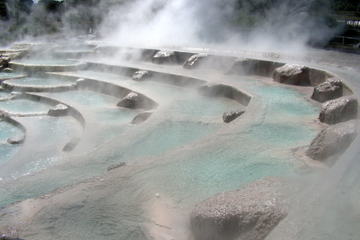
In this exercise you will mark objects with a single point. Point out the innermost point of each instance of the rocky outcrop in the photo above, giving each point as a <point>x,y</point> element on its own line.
<point>141,117</point>
<point>165,57</point>
<point>195,61</point>
<point>232,115</point>
<point>328,90</point>
<point>59,110</point>
<point>249,213</point>
<point>141,75</point>
<point>339,110</point>
<point>332,141</point>
<point>292,74</point>
<point>137,101</point>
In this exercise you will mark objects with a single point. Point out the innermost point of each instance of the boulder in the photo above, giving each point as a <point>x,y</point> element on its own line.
<point>232,115</point>
<point>332,141</point>
<point>141,117</point>
<point>249,213</point>
<point>137,101</point>
<point>141,75</point>
<point>195,61</point>
<point>328,90</point>
<point>292,74</point>
<point>59,110</point>
<point>165,57</point>
<point>339,110</point>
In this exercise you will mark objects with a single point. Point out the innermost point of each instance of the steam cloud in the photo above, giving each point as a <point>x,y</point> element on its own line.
<point>256,24</point>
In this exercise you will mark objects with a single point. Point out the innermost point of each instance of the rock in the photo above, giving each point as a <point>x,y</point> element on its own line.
<point>165,56</point>
<point>333,141</point>
<point>16,140</point>
<point>141,117</point>
<point>8,70</point>
<point>195,61</point>
<point>114,166</point>
<point>4,62</point>
<point>130,101</point>
<point>137,101</point>
<point>232,115</point>
<point>292,74</point>
<point>249,213</point>
<point>141,75</point>
<point>339,110</point>
<point>71,145</point>
<point>59,110</point>
<point>328,90</point>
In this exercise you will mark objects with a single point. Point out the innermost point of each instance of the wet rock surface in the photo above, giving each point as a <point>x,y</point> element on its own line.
<point>231,115</point>
<point>72,144</point>
<point>332,141</point>
<point>339,110</point>
<point>195,61</point>
<point>249,213</point>
<point>16,140</point>
<point>292,74</point>
<point>328,90</point>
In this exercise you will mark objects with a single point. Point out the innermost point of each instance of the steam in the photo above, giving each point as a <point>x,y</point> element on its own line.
<point>256,24</point>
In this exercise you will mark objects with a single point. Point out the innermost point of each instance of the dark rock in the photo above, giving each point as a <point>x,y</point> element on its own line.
<point>71,145</point>
<point>333,140</point>
<point>4,62</point>
<point>141,75</point>
<point>249,213</point>
<point>16,140</point>
<point>328,90</point>
<point>59,110</point>
<point>292,74</point>
<point>195,61</point>
<point>231,116</point>
<point>114,166</point>
<point>165,57</point>
<point>141,117</point>
<point>8,70</point>
<point>130,101</point>
<point>339,110</point>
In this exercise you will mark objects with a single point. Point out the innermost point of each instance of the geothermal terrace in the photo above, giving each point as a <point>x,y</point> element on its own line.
<point>104,142</point>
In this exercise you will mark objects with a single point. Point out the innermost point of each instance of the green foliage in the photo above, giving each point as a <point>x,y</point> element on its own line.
<point>344,5</point>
